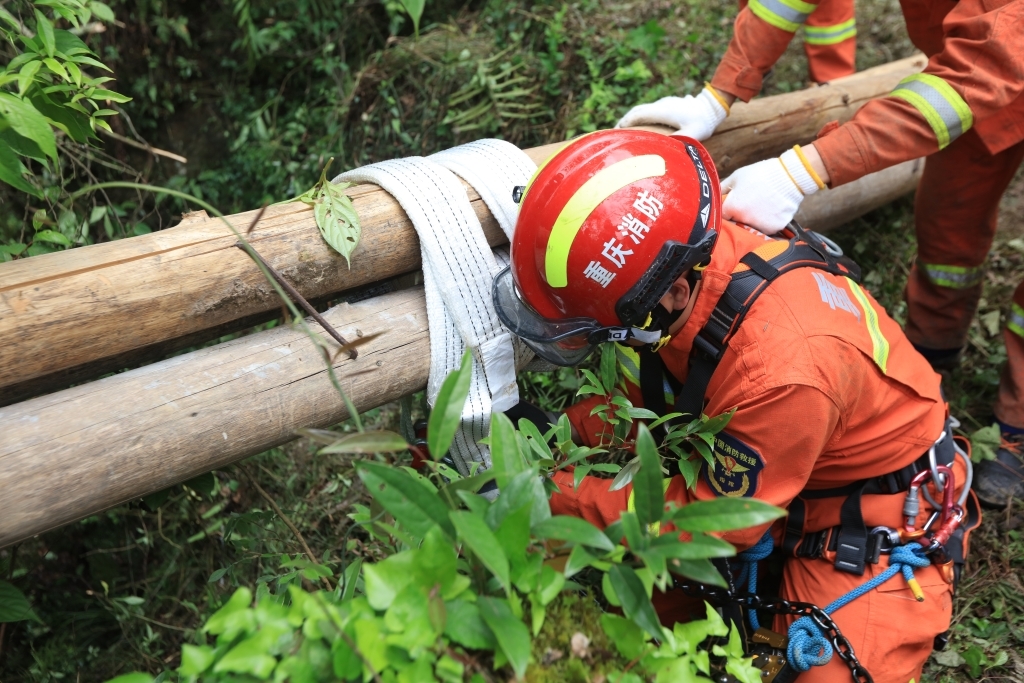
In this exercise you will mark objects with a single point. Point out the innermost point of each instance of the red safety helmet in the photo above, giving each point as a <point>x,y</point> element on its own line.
<point>605,227</point>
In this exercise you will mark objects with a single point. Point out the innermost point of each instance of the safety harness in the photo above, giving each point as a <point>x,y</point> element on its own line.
<point>849,545</point>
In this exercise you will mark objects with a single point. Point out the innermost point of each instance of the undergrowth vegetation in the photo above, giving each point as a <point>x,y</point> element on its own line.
<point>243,102</point>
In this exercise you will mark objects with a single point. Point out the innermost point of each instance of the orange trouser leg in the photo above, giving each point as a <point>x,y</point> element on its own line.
<point>891,633</point>
<point>830,41</point>
<point>955,216</point>
<point>1009,406</point>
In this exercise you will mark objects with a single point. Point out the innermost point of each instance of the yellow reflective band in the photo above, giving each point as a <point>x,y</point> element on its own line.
<point>629,363</point>
<point>942,107</point>
<point>788,15</point>
<point>1016,322</point>
<point>879,344</point>
<point>953,277</point>
<point>830,35</point>
<point>598,188</point>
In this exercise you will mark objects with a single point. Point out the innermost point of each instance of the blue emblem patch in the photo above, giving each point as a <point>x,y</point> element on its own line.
<point>736,470</point>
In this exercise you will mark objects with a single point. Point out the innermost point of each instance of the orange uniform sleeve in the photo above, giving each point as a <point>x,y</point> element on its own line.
<point>980,65</point>
<point>756,45</point>
<point>767,451</point>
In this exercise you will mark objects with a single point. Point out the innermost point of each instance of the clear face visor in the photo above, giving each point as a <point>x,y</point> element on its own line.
<point>566,341</point>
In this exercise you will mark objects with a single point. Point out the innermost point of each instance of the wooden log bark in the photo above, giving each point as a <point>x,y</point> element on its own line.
<point>82,450</point>
<point>88,448</point>
<point>71,316</point>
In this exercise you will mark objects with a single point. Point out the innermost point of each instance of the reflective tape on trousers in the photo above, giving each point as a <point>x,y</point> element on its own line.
<point>942,107</point>
<point>1016,322</point>
<point>830,35</point>
<point>954,277</point>
<point>789,15</point>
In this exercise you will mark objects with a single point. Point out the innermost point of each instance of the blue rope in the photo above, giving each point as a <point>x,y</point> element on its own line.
<point>748,573</point>
<point>809,647</point>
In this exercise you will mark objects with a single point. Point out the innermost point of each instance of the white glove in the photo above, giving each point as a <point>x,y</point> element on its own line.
<point>766,195</point>
<point>696,117</point>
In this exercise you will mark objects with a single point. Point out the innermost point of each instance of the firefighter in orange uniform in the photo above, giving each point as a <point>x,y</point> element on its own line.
<point>619,238</point>
<point>965,112</point>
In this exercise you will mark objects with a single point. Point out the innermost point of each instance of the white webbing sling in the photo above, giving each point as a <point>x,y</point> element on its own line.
<point>458,270</point>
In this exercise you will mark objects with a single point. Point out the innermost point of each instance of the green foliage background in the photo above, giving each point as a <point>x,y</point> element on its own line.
<point>257,95</point>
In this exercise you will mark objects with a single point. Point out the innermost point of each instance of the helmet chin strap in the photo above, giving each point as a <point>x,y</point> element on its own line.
<point>656,329</point>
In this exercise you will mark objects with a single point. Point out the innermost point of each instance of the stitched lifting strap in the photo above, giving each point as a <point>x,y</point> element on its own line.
<point>805,250</point>
<point>458,269</point>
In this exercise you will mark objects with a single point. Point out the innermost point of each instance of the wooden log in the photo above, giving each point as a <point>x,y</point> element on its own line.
<point>828,209</point>
<point>106,307</point>
<point>88,448</point>
<point>82,450</point>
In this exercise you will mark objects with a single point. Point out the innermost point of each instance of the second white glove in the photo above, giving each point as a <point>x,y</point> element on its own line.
<point>766,195</point>
<point>696,117</point>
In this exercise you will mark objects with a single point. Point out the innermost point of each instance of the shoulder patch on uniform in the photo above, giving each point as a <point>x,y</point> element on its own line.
<point>737,468</point>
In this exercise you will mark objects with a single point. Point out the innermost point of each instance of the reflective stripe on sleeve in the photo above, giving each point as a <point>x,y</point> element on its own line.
<point>830,35</point>
<point>945,111</point>
<point>629,363</point>
<point>789,15</point>
<point>1016,322</point>
<point>879,344</point>
<point>954,277</point>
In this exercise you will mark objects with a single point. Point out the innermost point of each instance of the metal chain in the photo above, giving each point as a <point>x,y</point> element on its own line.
<point>842,645</point>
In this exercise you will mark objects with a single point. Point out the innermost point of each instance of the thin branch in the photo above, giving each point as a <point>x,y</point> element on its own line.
<point>288,522</point>
<point>299,299</point>
<point>155,151</point>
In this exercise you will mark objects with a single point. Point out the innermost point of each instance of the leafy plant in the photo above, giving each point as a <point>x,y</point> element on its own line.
<point>468,581</point>
<point>47,88</point>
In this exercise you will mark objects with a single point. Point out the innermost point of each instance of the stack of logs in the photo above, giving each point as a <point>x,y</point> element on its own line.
<point>70,317</point>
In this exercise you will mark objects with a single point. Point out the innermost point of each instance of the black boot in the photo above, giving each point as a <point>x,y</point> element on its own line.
<point>997,481</point>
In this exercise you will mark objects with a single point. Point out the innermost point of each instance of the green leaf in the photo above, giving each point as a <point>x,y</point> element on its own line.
<point>14,606</point>
<point>11,170</point>
<point>609,365</point>
<point>466,627</point>
<point>195,659</point>
<point>27,121</point>
<point>629,589</point>
<point>248,657</point>
<point>628,638</point>
<point>513,535</point>
<point>506,458</point>
<point>56,67</point>
<point>625,475</point>
<point>525,488</point>
<point>411,503</point>
<point>60,114</point>
<point>336,217</point>
<point>381,441</point>
<point>447,411</point>
<point>701,571</point>
<point>44,31</point>
<point>717,423</point>
<point>725,514</point>
<point>512,634</point>
<point>699,547</point>
<point>102,11</point>
<point>134,677</point>
<point>575,530</point>
<point>484,544</point>
<point>221,622</point>
<point>648,493</point>
<point>578,559</point>
<point>415,10</point>
<point>27,75</point>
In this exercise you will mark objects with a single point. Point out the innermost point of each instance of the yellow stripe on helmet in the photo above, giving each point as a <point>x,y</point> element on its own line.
<point>598,188</point>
